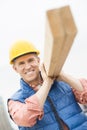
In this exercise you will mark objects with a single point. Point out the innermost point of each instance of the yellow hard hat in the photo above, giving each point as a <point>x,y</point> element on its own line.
<point>20,48</point>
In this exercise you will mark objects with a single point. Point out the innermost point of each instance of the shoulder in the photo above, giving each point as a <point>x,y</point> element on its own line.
<point>63,86</point>
<point>17,96</point>
<point>22,94</point>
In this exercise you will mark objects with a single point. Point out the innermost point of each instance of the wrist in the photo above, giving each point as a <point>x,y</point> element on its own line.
<point>48,81</point>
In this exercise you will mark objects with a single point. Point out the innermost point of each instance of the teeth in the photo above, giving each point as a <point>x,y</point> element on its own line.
<point>29,72</point>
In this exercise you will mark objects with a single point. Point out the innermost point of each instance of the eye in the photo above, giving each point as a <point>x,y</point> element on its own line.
<point>31,60</point>
<point>21,63</point>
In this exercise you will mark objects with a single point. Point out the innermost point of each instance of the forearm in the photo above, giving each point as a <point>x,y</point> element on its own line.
<point>42,93</point>
<point>73,82</point>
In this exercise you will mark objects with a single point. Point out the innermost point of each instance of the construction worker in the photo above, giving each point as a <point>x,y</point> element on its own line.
<point>42,102</point>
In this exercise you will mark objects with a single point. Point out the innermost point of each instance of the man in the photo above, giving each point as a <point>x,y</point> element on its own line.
<point>42,102</point>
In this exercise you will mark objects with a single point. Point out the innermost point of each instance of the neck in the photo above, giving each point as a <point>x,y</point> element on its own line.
<point>37,81</point>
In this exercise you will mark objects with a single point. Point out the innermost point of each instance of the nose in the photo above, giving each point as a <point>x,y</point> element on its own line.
<point>27,65</point>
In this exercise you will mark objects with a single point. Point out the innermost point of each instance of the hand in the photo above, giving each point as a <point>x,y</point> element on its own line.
<point>60,76</point>
<point>44,74</point>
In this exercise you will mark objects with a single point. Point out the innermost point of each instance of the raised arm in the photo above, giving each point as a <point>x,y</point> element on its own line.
<point>72,81</point>
<point>26,114</point>
<point>79,86</point>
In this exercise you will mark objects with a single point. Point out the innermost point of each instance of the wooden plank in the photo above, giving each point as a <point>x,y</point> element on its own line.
<point>60,33</point>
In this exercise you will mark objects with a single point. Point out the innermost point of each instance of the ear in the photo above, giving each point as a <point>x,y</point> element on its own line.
<point>14,67</point>
<point>38,60</point>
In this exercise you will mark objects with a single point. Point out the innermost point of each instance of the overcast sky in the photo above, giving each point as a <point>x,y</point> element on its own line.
<point>25,19</point>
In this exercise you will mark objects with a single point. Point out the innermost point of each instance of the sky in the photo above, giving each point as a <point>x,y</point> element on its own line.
<point>25,19</point>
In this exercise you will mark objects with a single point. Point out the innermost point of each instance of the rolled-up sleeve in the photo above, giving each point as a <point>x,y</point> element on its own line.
<point>25,114</point>
<point>81,96</point>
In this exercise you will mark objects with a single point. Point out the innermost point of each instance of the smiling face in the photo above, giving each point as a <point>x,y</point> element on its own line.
<point>28,67</point>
